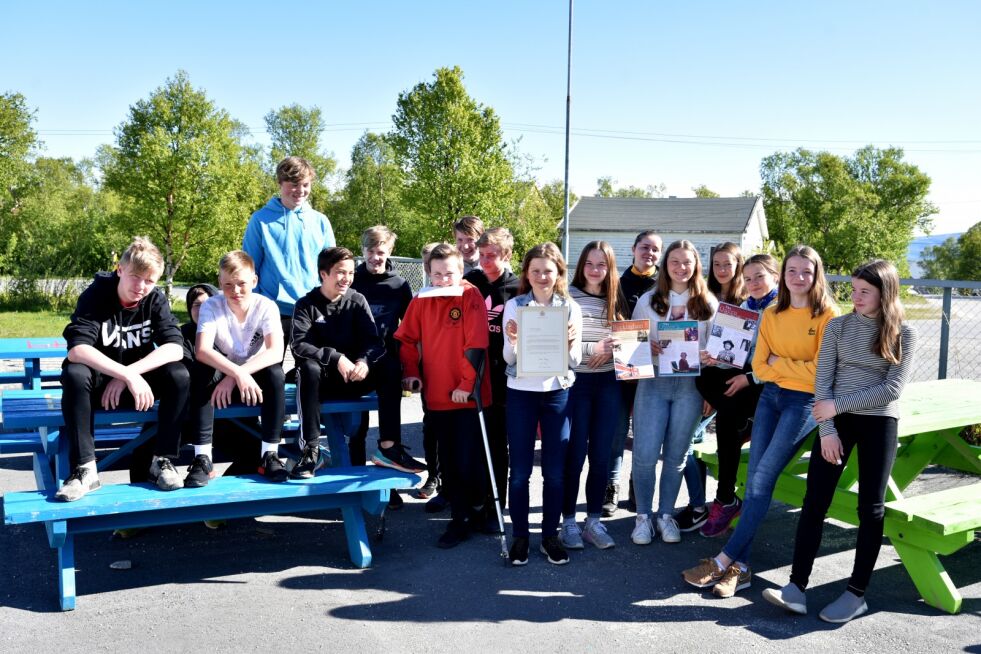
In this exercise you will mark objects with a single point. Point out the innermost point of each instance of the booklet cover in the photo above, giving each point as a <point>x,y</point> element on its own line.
<point>632,353</point>
<point>731,335</point>
<point>679,344</point>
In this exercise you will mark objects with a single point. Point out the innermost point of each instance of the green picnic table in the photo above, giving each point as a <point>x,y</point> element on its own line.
<point>920,527</point>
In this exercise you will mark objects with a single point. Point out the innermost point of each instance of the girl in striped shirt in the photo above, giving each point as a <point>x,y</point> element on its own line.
<point>865,361</point>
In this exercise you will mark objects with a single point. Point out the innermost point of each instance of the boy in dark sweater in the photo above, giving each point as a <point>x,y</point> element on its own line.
<point>497,284</point>
<point>124,348</point>
<point>337,347</point>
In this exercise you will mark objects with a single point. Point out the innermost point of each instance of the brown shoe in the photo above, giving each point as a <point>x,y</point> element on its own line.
<point>707,573</point>
<point>734,580</point>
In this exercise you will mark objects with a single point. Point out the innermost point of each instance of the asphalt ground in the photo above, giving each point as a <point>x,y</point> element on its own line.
<point>285,583</point>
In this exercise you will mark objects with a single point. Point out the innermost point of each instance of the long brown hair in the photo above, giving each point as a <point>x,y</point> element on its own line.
<point>551,252</point>
<point>817,296</point>
<point>737,288</point>
<point>610,288</point>
<point>884,276</point>
<point>699,307</point>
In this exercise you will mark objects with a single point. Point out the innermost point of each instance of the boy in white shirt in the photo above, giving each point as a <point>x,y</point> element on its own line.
<point>240,344</point>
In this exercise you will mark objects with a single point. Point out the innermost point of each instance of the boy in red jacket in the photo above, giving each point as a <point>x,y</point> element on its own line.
<point>444,322</point>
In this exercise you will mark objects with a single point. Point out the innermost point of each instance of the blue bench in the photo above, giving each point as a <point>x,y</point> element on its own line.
<point>31,351</point>
<point>353,489</point>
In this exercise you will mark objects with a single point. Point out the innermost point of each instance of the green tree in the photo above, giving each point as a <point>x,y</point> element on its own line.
<point>956,258</point>
<point>296,131</point>
<point>452,152</point>
<point>553,194</point>
<point>850,209</point>
<point>702,191</point>
<point>18,143</point>
<point>605,189</point>
<point>185,177</point>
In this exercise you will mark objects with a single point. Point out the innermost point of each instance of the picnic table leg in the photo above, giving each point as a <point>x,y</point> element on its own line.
<point>929,577</point>
<point>357,536</point>
<point>66,573</point>
<point>32,374</point>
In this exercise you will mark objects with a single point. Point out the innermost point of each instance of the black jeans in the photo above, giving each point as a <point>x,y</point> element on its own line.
<point>271,380</point>
<point>315,383</point>
<point>875,437</point>
<point>389,372</point>
<point>495,418</point>
<point>82,389</point>
<point>461,459</point>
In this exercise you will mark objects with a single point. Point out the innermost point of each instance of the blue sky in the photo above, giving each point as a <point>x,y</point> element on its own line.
<point>675,93</point>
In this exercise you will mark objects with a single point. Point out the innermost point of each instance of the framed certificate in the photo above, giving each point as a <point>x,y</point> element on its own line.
<point>543,341</point>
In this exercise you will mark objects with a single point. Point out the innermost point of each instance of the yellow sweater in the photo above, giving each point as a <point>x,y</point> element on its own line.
<point>795,338</point>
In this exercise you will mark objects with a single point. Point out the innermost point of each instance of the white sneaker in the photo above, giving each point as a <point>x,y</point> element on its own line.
<point>596,534</point>
<point>571,536</point>
<point>81,481</point>
<point>668,529</point>
<point>164,475</point>
<point>643,531</point>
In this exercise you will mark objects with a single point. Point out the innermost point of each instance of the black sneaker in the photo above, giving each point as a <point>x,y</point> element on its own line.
<point>691,518</point>
<point>611,500</point>
<point>552,548</point>
<point>395,501</point>
<point>456,532</point>
<point>271,467</point>
<point>519,552</point>
<point>200,472</point>
<point>396,457</point>
<point>429,489</point>
<point>310,462</point>
<point>438,503</point>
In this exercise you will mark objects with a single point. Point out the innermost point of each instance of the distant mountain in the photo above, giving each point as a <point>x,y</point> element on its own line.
<point>915,252</point>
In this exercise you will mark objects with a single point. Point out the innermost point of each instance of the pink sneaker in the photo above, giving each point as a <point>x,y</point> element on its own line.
<point>720,517</point>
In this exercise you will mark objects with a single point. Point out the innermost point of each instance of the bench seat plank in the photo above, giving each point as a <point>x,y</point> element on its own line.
<point>945,512</point>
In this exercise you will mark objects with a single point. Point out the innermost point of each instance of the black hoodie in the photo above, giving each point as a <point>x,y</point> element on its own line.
<point>324,330</point>
<point>388,296</point>
<point>123,335</point>
<point>189,330</point>
<point>496,294</point>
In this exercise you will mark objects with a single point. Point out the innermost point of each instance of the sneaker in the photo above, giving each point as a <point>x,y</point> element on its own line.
<point>438,503</point>
<point>734,580</point>
<point>271,467</point>
<point>396,457</point>
<point>668,528</point>
<point>596,534</point>
<point>847,607</point>
<point>429,489</point>
<point>571,536</point>
<point>691,518</point>
<point>707,573</point>
<point>789,597</point>
<point>552,548</point>
<point>395,501</point>
<point>643,532</point>
<point>216,524</point>
<point>164,475</point>
<point>200,472</point>
<point>310,462</point>
<point>81,481</point>
<point>519,552</point>
<point>611,501</point>
<point>456,532</point>
<point>720,517</point>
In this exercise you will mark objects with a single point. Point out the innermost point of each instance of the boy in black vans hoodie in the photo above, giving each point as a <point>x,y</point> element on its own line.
<point>124,349</point>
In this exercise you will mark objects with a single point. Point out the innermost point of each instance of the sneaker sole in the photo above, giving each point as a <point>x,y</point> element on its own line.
<point>551,560</point>
<point>599,546</point>
<point>516,563</point>
<point>164,486</point>
<point>573,546</point>
<point>62,498</point>
<point>274,477</point>
<point>862,610</point>
<point>773,597</point>
<point>385,463</point>
<point>707,584</point>
<point>642,541</point>
<point>739,587</point>
<point>694,527</point>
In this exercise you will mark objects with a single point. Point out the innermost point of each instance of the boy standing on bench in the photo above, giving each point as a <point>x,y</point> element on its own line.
<point>124,348</point>
<point>240,347</point>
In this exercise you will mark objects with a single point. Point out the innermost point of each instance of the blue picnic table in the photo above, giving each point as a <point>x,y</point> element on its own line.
<point>31,351</point>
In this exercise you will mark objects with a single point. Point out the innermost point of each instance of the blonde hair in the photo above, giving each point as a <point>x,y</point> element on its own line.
<point>499,236</point>
<point>884,276</point>
<point>142,256</point>
<point>698,306</point>
<point>377,235</point>
<point>235,261</point>
<point>817,296</point>
<point>427,249</point>
<point>550,252</point>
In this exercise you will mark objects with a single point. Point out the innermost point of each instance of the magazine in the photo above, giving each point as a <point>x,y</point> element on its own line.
<point>731,335</point>
<point>632,353</point>
<point>679,348</point>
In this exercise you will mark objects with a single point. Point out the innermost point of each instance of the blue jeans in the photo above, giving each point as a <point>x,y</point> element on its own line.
<point>665,414</point>
<point>783,420</point>
<point>594,400</point>
<point>628,390</point>
<point>526,411</point>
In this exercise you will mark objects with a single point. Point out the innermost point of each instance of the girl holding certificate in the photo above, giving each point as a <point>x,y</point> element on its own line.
<point>539,400</point>
<point>595,396</point>
<point>786,359</point>
<point>668,408</point>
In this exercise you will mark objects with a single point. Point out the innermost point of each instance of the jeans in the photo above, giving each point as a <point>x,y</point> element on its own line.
<point>628,390</point>
<point>783,420</point>
<point>875,437</point>
<point>695,479</point>
<point>526,411</point>
<point>665,414</point>
<point>593,399</point>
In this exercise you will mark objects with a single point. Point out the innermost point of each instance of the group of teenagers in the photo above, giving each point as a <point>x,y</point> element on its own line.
<point>353,329</point>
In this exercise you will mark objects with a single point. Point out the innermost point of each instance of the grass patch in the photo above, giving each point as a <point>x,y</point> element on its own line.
<point>31,324</point>
<point>916,307</point>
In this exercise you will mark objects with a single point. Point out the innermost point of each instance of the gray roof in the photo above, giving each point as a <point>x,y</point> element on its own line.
<point>726,215</point>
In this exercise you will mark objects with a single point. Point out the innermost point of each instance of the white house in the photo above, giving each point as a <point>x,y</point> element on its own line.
<point>706,222</point>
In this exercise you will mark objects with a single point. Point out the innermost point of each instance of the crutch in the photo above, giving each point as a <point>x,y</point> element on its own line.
<point>477,359</point>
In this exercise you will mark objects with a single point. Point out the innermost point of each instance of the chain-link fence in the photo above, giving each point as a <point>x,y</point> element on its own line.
<point>947,316</point>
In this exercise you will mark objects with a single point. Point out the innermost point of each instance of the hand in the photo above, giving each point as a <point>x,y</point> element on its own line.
<point>736,384</point>
<point>706,358</point>
<point>824,410</point>
<point>114,391</point>
<point>656,348</point>
<point>412,384</point>
<point>249,389</point>
<point>772,359</point>
<point>460,396</point>
<point>707,409</point>
<point>345,367</point>
<point>573,333</point>
<point>141,392</point>
<point>360,371</point>
<point>511,331</point>
<point>602,353</point>
<point>222,395</point>
<point>831,449</point>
